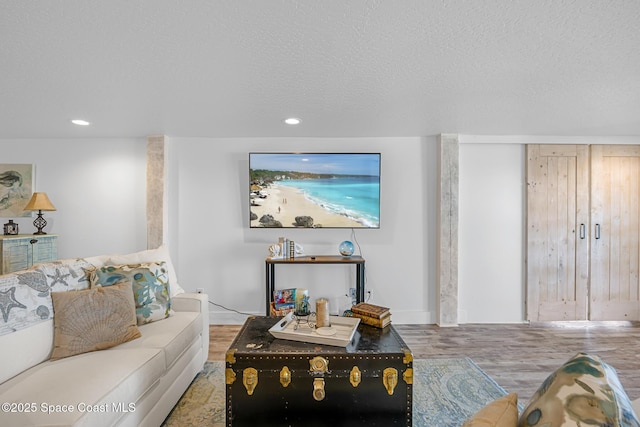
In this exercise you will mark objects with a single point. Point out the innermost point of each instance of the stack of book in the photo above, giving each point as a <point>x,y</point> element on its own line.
<point>373,315</point>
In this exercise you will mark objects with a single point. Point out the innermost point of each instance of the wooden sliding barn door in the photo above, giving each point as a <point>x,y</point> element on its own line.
<point>615,222</point>
<point>557,232</point>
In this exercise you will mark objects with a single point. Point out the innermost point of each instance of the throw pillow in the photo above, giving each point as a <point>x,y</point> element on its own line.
<point>150,287</point>
<point>583,391</point>
<point>502,412</point>
<point>92,319</point>
<point>150,255</point>
<point>25,295</point>
<point>69,274</point>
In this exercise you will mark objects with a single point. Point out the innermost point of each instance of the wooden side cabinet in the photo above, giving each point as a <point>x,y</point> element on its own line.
<point>24,250</point>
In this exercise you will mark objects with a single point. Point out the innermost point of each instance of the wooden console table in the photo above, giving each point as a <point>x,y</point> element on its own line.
<point>270,264</point>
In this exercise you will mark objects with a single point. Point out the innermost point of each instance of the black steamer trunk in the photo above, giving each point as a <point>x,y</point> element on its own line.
<point>275,382</point>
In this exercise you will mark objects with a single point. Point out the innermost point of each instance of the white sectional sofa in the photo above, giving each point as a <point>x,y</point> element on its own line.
<point>135,383</point>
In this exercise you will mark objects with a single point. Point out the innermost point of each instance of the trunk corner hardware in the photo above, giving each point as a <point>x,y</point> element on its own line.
<point>230,376</point>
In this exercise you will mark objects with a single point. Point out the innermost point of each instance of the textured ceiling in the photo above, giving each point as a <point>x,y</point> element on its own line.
<point>226,68</point>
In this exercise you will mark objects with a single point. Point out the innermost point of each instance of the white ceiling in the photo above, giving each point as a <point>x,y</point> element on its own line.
<point>227,68</point>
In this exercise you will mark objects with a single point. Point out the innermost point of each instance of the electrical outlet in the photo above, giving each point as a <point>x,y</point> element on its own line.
<point>200,290</point>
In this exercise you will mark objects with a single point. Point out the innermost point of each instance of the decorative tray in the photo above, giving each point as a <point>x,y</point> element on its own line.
<point>339,334</point>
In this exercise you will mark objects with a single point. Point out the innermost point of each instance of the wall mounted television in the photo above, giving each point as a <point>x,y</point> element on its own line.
<point>314,190</point>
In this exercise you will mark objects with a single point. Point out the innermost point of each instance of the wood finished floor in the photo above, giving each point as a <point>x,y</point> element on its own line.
<point>518,357</point>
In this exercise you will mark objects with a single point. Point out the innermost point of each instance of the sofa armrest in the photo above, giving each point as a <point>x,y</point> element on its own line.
<point>197,303</point>
<point>190,302</point>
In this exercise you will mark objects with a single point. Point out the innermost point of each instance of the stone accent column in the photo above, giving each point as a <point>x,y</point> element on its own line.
<point>447,225</point>
<point>155,191</point>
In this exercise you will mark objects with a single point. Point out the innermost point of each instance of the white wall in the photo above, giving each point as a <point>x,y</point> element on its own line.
<point>491,273</point>
<point>218,252</point>
<point>98,187</point>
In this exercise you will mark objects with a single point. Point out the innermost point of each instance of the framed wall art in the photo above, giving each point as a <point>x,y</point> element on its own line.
<point>16,187</point>
<point>314,190</point>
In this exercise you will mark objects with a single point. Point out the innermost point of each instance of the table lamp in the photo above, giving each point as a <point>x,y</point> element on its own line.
<point>39,202</point>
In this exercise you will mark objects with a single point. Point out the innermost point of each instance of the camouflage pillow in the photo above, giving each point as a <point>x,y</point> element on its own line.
<point>150,287</point>
<point>584,391</point>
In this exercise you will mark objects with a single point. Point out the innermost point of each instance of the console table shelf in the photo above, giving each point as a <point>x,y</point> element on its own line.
<point>271,263</point>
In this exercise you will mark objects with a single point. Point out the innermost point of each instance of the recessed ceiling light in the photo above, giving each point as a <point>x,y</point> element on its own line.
<point>80,122</point>
<point>292,121</point>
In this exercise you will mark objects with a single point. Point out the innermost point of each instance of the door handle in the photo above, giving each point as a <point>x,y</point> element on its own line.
<point>597,231</point>
<point>583,230</point>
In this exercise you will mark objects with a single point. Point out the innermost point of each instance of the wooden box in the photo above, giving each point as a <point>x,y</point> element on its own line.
<point>276,382</point>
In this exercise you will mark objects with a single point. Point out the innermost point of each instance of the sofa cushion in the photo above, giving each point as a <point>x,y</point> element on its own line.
<point>172,335</point>
<point>502,412</point>
<point>100,386</point>
<point>583,391</point>
<point>150,283</point>
<point>150,255</point>
<point>93,319</point>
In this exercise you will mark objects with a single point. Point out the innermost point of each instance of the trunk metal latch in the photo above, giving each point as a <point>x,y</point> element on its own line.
<point>318,389</point>
<point>250,379</point>
<point>285,376</point>
<point>319,365</point>
<point>355,376</point>
<point>390,379</point>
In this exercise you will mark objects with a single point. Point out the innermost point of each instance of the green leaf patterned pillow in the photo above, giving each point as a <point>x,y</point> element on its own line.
<point>584,391</point>
<point>150,282</point>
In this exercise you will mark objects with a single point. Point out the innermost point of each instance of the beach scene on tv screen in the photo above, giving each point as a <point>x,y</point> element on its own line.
<point>314,190</point>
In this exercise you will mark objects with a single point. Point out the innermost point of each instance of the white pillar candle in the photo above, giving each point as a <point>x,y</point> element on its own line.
<point>322,313</point>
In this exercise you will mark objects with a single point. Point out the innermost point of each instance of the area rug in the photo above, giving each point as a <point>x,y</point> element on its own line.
<point>445,393</point>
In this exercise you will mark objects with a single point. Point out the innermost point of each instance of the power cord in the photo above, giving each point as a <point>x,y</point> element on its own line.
<point>355,239</point>
<point>230,309</point>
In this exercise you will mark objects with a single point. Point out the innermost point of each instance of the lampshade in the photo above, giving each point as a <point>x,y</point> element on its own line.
<point>39,202</point>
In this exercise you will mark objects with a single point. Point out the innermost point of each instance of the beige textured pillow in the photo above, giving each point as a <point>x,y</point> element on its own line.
<point>502,412</point>
<point>93,319</point>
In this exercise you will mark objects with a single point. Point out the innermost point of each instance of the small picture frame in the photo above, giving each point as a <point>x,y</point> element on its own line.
<point>10,228</point>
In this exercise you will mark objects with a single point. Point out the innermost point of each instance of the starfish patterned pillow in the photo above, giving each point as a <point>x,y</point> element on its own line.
<point>66,275</point>
<point>25,296</point>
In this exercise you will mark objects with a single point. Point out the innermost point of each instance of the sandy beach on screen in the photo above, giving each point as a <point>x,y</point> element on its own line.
<point>291,203</point>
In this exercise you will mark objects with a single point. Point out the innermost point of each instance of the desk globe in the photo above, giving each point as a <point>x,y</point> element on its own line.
<point>346,248</point>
